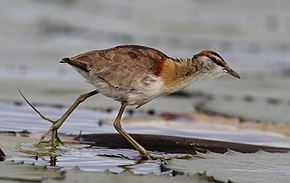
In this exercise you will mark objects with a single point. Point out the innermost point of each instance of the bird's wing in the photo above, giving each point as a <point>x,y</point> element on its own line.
<point>120,66</point>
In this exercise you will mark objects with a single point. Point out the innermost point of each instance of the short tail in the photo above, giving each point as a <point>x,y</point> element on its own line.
<point>78,64</point>
<point>65,60</point>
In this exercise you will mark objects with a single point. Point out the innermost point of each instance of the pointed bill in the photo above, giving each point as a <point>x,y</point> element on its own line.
<point>233,73</point>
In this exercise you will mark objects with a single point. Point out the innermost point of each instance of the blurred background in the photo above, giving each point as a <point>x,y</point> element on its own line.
<point>252,35</point>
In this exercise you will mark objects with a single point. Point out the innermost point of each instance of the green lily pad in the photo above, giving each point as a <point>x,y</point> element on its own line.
<point>23,169</point>
<point>19,172</point>
<point>26,173</point>
<point>76,175</point>
<point>238,167</point>
<point>9,144</point>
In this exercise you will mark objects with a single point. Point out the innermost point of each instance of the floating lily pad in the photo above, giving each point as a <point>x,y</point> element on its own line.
<point>174,144</point>
<point>76,175</point>
<point>19,172</point>
<point>9,144</point>
<point>238,167</point>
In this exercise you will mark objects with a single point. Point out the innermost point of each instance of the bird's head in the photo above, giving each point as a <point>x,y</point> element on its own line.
<point>215,63</point>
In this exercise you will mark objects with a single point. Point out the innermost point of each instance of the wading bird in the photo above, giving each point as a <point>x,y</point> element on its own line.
<point>134,75</point>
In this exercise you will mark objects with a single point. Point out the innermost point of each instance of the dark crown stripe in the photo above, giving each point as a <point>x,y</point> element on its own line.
<point>218,61</point>
<point>217,55</point>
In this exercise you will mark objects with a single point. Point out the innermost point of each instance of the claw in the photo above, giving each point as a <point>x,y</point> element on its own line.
<point>58,139</point>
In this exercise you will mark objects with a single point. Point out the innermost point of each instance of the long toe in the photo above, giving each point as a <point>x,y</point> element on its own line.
<point>54,139</point>
<point>147,157</point>
<point>58,140</point>
<point>177,156</point>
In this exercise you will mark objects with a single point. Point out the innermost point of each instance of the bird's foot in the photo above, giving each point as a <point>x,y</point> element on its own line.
<point>53,129</point>
<point>54,139</point>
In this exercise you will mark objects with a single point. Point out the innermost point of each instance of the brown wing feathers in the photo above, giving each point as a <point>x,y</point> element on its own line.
<point>119,57</point>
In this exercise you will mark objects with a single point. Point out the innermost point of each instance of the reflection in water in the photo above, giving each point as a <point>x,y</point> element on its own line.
<point>20,118</point>
<point>90,158</point>
<point>95,159</point>
<point>53,159</point>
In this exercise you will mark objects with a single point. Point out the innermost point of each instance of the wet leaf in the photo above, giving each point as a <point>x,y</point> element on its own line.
<point>9,144</point>
<point>76,175</point>
<point>238,167</point>
<point>173,144</point>
<point>19,172</point>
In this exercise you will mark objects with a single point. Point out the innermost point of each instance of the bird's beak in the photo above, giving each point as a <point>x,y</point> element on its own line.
<point>233,73</point>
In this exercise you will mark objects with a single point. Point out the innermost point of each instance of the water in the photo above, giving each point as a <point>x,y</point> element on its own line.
<point>89,120</point>
<point>89,158</point>
<point>35,35</point>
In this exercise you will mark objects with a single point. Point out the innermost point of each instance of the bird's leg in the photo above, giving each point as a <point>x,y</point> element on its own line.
<point>117,124</point>
<point>57,124</point>
<point>143,152</point>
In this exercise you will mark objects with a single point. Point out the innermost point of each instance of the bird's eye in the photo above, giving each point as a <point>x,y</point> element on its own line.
<point>220,64</point>
<point>217,62</point>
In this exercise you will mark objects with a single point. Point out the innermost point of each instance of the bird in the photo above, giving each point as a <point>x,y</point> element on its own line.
<point>134,75</point>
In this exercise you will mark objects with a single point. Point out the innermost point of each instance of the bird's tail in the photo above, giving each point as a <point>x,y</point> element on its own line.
<point>65,60</point>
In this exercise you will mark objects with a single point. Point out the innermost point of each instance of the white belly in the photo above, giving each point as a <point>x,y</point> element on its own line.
<point>143,93</point>
<point>138,94</point>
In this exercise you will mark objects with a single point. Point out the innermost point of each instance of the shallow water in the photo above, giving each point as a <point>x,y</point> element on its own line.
<point>17,118</point>
<point>87,120</point>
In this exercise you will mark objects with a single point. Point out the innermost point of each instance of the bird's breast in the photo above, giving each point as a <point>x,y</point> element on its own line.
<point>138,93</point>
<point>169,77</point>
<point>144,91</point>
<point>176,75</point>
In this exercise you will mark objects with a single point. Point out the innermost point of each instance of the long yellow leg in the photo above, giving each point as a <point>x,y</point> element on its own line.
<point>57,124</point>
<point>117,124</point>
<point>143,152</point>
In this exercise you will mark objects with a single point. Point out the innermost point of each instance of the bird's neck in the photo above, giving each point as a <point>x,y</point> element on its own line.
<point>182,72</point>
